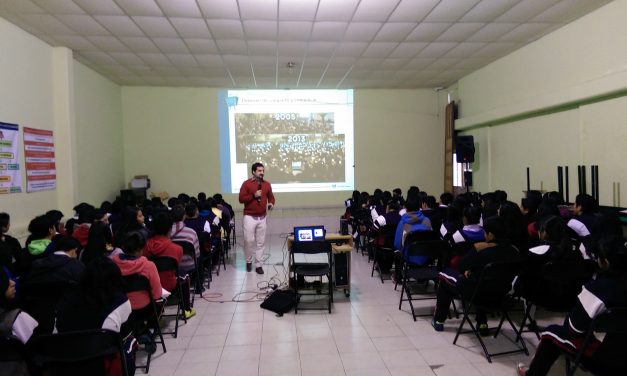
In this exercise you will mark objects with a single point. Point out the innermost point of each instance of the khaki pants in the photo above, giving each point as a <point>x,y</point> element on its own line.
<point>254,238</point>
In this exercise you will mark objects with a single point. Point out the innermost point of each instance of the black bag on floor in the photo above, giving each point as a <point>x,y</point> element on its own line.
<point>280,301</point>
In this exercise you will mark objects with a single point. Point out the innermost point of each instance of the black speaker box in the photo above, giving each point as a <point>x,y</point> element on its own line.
<point>468,178</point>
<point>341,269</point>
<point>465,149</point>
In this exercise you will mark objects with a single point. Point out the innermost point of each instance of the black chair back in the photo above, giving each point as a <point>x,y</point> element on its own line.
<point>188,248</point>
<point>165,263</point>
<point>495,282</point>
<point>40,301</point>
<point>77,352</point>
<point>136,283</point>
<point>312,247</point>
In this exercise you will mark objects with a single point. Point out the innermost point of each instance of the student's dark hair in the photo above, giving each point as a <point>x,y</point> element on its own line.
<point>534,194</point>
<point>133,242</point>
<point>397,191</point>
<point>364,198</point>
<point>495,226</point>
<point>99,237</point>
<point>614,250</point>
<point>255,165</point>
<point>178,213</point>
<point>500,196</point>
<point>212,202</point>
<point>202,196</point>
<point>218,198</point>
<point>547,207</point>
<point>86,213</point>
<point>54,215</point>
<point>387,195</point>
<point>191,209</point>
<point>511,214</point>
<point>106,206</point>
<point>173,201</point>
<point>162,223</point>
<point>66,243</point>
<point>556,234</point>
<point>156,201</point>
<point>472,214</point>
<point>490,204</point>
<point>5,219</point>
<point>430,201</point>
<point>531,204</point>
<point>555,196</point>
<point>412,191</point>
<point>101,282</point>
<point>39,227</point>
<point>394,205</point>
<point>412,203</point>
<point>183,197</point>
<point>587,203</point>
<point>446,198</point>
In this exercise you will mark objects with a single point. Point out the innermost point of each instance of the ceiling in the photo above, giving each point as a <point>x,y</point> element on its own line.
<point>327,43</point>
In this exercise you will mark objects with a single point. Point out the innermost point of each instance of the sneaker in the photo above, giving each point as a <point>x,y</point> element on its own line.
<point>259,270</point>
<point>438,326</point>
<point>189,314</point>
<point>484,331</point>
<point>249,266</point>
<point>521,369</point>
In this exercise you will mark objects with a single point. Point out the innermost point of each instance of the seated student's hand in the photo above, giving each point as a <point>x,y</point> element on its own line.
<point>483,245</point>
<point>467,274</point>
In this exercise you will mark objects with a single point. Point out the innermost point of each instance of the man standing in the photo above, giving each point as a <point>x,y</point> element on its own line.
<point>256,195</point>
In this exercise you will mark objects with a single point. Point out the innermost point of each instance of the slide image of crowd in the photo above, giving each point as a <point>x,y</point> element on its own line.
<point>284,123</point>
<point>294,147</point>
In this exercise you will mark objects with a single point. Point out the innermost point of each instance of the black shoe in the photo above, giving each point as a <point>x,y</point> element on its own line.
<point>259,270</point>
<point>484,330</point>
<point>249,266</point>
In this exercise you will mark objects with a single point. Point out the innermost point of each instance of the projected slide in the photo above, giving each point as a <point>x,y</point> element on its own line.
<point>303,137</point>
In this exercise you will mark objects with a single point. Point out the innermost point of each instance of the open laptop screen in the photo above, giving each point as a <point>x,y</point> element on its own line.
<point>308,233</point>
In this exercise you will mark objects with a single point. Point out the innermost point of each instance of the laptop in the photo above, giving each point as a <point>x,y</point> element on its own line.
<point>309,233</point>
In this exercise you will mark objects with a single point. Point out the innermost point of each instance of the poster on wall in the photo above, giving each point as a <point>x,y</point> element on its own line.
<point>41,172</point>
<point>10,176</point>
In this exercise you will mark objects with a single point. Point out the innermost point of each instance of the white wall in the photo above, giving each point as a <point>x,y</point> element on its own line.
<point>558,101</point>
<point>25,99</point>
<point>171,134</point>
<point>43,87</point>
<point>99,136</point>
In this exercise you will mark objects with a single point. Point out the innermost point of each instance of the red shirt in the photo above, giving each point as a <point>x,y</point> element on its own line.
<point>252,206</point>
<point>162,246</point>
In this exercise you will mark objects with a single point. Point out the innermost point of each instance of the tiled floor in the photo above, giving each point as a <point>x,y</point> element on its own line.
<point>365,335</point>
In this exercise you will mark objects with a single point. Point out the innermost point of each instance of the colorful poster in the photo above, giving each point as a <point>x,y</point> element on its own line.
<point>41,172</point>
<point>10,176</point>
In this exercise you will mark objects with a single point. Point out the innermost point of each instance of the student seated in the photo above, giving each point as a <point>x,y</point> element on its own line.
<point>160,245</point>
<point>557,249</point>
<point>471,233</point>
<point>413,220</point>
<point>607,291</point>
<point>41,231</point>
<point>586,208</point>
<point>452,283</point>
<point>13,322</point>
<point>49,279</point>
<point>99,243</point>
<point>11,245</point>
<point>183,233</point>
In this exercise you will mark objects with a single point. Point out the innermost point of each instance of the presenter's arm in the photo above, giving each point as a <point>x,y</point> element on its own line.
<point>245,196</point>
<point>271,199</point>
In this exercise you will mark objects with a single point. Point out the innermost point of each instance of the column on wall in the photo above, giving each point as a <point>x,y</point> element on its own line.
<point>449,126</point>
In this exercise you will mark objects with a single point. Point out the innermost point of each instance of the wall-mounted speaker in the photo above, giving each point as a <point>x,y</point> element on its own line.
<point>465,149</point>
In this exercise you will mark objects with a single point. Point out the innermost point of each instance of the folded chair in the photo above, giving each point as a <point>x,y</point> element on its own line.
<point>491,294</point>
<point>383,249</point>
<point>613,322</point>
<point>313,269</point>
<point>137,283</point>
<point>425,245</point>
<point>165,263</point>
